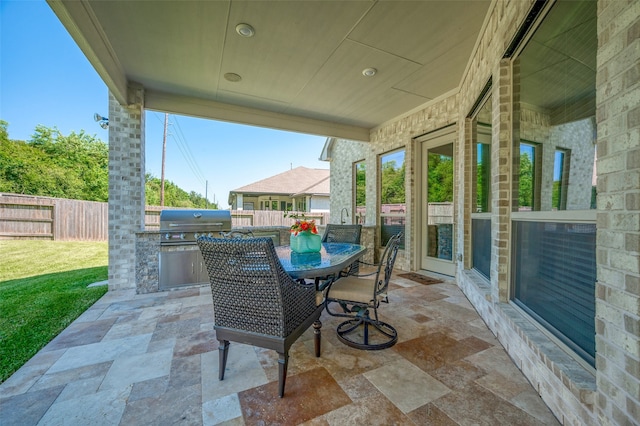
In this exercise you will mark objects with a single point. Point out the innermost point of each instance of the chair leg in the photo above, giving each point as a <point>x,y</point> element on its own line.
<point>283,361</point>
<point>223,351</point>
<point>347,331</point>
<point>317,338</point>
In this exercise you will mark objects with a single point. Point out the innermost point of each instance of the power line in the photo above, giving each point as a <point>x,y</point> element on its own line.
<point>184,148</point>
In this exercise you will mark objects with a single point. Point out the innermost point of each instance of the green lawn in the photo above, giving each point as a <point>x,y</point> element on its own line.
<point>43,288</point>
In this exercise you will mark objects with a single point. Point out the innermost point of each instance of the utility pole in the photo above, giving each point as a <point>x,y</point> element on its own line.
<point>164,153</point>
<point>206,189</point>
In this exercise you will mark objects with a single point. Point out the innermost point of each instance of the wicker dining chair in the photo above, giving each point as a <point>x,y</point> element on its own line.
<point>357,295</point>
<point>255,301</point>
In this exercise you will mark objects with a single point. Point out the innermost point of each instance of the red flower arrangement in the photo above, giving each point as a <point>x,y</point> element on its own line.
<point>302,225</point>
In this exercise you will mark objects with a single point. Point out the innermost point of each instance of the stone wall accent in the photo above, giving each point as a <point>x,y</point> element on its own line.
<point>368,238</point>
<point>342,189</point>
<point>341,178</point>
<point>126,187</point>
<point>618,256</point>
<point>147,264</point>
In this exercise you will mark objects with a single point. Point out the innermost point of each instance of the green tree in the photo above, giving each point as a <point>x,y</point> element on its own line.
<point>440,178</point>
<point>174,196</point>
<point>361,190</point>
<point>4,134</point>
<point>55,165</point>
<point>555,195</point>
<point>25,169</point>
<point>74,167</point>
<point>393,190</point>
<point>483,177</point>
<point>525,185</point>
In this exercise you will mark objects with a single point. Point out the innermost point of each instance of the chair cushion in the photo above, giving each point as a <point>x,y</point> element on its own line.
<point>319,298</point>
<point>353,289</point>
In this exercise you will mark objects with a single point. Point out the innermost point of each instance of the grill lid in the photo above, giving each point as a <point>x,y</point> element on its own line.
<point>185,226</point>
<point>178,220</point>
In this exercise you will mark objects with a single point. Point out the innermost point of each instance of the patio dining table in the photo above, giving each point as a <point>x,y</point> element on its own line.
<point>332,258</point>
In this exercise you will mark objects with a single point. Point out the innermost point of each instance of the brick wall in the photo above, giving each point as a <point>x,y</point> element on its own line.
<point>618,286</point>
<point>571,391</point>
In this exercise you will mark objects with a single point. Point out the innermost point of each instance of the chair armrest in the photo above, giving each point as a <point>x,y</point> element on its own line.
<point>361,262</point>
<point>367,263</point>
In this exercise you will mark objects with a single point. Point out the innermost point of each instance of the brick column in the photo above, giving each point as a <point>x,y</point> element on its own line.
<point>618,238</point>
<point>501,200</point>
<point>126,188</point>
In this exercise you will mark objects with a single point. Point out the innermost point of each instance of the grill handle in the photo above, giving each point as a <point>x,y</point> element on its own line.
<point>185,225</point>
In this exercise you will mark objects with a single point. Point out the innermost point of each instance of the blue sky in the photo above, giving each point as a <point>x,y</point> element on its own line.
<point>45,79</point>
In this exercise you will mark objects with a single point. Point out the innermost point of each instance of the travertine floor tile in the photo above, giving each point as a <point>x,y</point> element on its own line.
<point>307,395</point>
<point>153,359</point>
<point>406,385</point>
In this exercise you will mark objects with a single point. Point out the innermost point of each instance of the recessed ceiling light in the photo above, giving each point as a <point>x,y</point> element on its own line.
<point>245,30</point>
<point>369,72</point>
<point>232,77</point>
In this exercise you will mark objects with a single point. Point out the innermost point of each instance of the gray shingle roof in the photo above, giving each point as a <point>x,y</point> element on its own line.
<point>301,180</point>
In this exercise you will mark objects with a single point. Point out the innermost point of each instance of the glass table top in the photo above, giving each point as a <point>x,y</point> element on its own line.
<point>332,258</point>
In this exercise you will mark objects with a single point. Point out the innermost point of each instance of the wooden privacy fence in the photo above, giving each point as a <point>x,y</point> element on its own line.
<point>30,217</point>
<point>34,217</point>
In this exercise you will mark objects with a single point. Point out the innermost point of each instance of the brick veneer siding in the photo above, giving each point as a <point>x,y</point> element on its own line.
<point>618,286</point>
<point>571,391</point>
<point>126,188</point>
<point>503,133</point>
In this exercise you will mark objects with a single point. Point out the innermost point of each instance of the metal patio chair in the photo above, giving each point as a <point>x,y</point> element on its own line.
<point>357,296</point>
<point>343,234</point>
<point>255,301</point>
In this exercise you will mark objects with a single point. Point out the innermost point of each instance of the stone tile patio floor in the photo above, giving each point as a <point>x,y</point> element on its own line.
<point>153,359</point>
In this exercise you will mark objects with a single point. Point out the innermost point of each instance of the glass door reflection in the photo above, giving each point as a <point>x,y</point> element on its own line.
<point>438,249</point>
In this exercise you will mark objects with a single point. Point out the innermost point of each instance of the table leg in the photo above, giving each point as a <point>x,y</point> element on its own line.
<point>317,325</point>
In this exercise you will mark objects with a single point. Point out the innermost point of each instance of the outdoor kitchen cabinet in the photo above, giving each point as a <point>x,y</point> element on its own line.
<point>181,262</point>
<point>182,268</point>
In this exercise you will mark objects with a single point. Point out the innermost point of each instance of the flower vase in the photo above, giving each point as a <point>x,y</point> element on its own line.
<point>305,242</point>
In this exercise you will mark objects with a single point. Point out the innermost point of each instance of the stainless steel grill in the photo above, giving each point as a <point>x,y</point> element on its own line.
<point>178,227</point>
<point>181,263</point>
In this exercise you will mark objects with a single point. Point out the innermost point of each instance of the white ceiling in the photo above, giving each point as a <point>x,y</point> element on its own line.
<point>301,71</point>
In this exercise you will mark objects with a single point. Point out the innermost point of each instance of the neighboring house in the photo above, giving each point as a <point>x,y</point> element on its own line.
<point>300,189</point>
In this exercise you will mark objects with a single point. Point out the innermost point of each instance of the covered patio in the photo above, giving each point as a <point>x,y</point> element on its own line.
<point>381,78</point>
<point>153,359</point>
